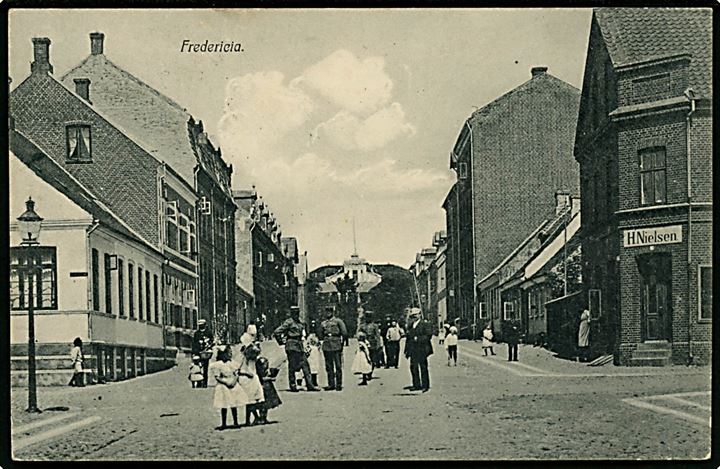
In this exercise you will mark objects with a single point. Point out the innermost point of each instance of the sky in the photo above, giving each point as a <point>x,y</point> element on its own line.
<point>333,115</point>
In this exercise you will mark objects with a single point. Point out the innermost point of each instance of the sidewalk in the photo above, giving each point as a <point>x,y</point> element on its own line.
<point>542,362</point>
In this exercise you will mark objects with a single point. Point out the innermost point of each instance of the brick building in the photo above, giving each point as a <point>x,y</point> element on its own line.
<point>509,158</point>
<point>117,271</point>
<point>264,271</point>
<point>644,147</point>
<point>173,136</point>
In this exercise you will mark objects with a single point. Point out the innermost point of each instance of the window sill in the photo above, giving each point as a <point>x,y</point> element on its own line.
<point>704,321</point>
<point>72,161</point>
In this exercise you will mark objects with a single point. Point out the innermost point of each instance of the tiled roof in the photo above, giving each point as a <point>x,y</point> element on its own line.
<point>51,172</point>
<point>638,34</point>
<point>152,119</point>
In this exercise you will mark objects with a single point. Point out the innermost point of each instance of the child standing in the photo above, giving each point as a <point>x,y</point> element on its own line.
<point>267,377</point>
<point>312,345</point>
<point>487,340</point>
<point>228,393</point>
<point>248,378</point>
<point>196,372</point>
<point>76,355</point>
<point>362,364</point>
<point>451,342</point>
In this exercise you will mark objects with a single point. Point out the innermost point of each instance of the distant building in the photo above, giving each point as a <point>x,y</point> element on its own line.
<point>264,271</point>
<point>430,275</point>
<point>644,144</point>
<point>509,158</point>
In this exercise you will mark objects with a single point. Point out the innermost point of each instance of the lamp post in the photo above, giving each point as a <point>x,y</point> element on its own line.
<point>29,224</point>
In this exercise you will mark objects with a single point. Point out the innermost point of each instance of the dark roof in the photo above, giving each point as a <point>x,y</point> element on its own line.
<point>640,34</point>
<point>51,172</point>
<point>152,119</point>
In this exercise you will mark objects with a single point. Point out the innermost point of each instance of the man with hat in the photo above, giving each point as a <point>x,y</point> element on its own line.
<point>332,334</point>
<point>292,329</point>
<point>418,348</point>
<point>202,346</point>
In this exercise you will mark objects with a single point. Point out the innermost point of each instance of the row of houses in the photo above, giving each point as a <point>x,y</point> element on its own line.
<point>630,152</point>
<point>142,235</point>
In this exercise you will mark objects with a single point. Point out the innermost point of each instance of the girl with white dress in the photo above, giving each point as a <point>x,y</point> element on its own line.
<point>248,378</point>
<point>487,340</point>
<point>361,364</point>
<point>312,345</point>
<point>228,393</point>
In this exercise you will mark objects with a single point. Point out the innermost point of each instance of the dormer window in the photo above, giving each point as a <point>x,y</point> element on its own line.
<point>78,139</point>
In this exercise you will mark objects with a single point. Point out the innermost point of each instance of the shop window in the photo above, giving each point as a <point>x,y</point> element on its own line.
<point>653,176</point>
<point>78,143</point>
<point>705,284</point>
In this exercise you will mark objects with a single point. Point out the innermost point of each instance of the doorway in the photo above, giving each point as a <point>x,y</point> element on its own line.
<point>655,295</point>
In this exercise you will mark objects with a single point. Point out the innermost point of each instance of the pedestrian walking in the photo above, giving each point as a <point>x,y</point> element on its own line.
<point>248,379</point>
<point>584,335</point>
<point>487,340</point>
<point>451,345</point>
<point>267,375</point>
<point>290,334</point>
<point>393,336</point>
<point>512,338</point>
<point>312,348</point>
<point>332,334</point>
<point>362,364</point>
<point>196,372</point>
<point>77,358</point>
<point>202,346</point>
<point>441,336</point>
<point>418,348</point>
<point>228,393</point>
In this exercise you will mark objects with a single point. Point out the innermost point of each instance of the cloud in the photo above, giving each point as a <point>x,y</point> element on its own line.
<point>360,86</point>
<point>259,110</point>
<point>347,132</point>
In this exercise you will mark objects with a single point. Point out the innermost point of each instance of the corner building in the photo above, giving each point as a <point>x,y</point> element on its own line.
<point>644,147</point>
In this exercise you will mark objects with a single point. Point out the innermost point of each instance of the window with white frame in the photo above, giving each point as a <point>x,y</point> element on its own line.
<point>705,286</point>
<point>193,237</point>
<point>184,231</point>
<point>171,225</point>
<point>78,143</point>
<point>270,257</point>
<point>508,310</point>
<point>482,313</point>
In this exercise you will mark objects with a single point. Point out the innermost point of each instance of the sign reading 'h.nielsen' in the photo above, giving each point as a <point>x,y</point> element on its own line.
<point>650,236</point>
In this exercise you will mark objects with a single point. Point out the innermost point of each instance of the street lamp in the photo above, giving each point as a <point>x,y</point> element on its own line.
<point>29,224</point>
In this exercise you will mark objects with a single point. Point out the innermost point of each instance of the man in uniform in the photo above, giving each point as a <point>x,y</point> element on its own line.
<point>332,334</point>
<point>202,346</point>
<point>292,329</point>
<point>418,348</point>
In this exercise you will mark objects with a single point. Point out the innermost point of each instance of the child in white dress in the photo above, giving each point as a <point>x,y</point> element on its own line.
<point>312,345</point>
<point>362,364</point>
<point>196,372</point>
<point>249,379</point>
<point>228,393</point>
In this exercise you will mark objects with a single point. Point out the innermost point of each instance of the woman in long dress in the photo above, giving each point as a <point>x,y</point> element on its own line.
<point>249,380</point>
<point>362,364</point>
<point>584,335</point>
<point>228,393</point>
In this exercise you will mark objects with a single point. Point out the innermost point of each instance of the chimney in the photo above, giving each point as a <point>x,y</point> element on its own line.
<point>82,88</point>
<point>535,71</point>
<point>41,49</point>
<point>96,43</point>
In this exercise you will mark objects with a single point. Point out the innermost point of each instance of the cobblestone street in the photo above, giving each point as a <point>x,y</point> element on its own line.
<point>485,408</point>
